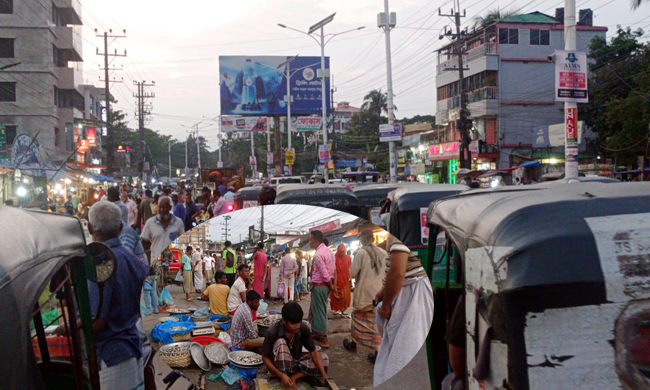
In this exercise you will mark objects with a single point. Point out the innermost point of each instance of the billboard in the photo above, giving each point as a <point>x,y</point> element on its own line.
<point>306,123</point>
<point>241,123</point>
<point>253,85</point>
<point>571,76</point>
<point>390,132</point>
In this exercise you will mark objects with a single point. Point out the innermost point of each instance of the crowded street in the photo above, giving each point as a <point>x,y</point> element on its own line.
<point>324,195</point>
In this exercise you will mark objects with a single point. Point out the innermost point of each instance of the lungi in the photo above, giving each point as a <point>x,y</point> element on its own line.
<point>209,276</point>
<point>127,375</point>
<point>364,328</point>
<point>198,280</point>
<point>406,331</point>
<point>187,281</point>
<point>318,312</point>
<point>285,362</point>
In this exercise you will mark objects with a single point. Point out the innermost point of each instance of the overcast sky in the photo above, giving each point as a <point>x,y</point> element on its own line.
<point>177,44</point>
<point>277,219</point>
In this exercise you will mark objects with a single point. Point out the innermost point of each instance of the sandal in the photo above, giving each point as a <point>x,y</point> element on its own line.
<point>349,345</point>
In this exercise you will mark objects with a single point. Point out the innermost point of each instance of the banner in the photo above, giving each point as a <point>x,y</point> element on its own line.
<point>571,76</point>
<point>444,151</point>
<point>252,160</point>
<point>91,136</point>
<point>240,123</point>
<point>389,133</point>
<point>306,123</point>
<point>571,125</point>
<point>401,158</point>
<point>324,153</point>
<point>254,85</point>
<point>3,141</point>
<point>290,156</point>
<point>269,158</point>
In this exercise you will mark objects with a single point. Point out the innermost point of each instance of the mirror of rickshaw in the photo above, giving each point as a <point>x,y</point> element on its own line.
<point>104,260</point>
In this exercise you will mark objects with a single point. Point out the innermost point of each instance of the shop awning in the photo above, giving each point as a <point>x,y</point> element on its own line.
<point>530,164</point>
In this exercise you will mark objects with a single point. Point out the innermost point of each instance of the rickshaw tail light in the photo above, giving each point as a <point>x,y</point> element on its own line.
<point>231,207</point>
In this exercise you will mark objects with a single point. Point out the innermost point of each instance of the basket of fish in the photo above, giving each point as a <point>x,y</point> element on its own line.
<point>180,336</point>
<point>245,359</point>
<point>176,355</point>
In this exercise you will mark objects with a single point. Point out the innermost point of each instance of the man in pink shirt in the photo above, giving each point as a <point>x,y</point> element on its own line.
<point>322,279</point>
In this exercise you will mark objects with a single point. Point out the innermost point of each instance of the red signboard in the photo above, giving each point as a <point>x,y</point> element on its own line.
<point>573,80</point>
<point>81,158</point>
<point>91,136</point>
<point>82,146</point>
<point>327,227</point>
<point>571,122</point>
<point>444,151</point>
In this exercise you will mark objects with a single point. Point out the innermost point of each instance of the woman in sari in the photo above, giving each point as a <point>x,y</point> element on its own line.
<point>340,296</point>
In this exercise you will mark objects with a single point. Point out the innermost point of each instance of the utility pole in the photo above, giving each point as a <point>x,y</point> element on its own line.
<point>109,120</point>
<point>387,21</point>
<point>141,114</point>
<point>464,123</point>
<point>226,219</point>
<point>169,152</point>
<point>277,150</point>
<point>570,108</point>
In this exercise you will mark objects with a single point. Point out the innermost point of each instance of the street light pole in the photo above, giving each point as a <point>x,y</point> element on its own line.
<point>389,91</point>
<point>322,42</point>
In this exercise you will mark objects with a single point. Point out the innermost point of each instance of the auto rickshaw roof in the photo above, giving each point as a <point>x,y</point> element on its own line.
<point>34,245</point>
<point>413,197</point>
<point>248,193</point>
<point>374,189</point>
<point>288,191</point>
<point>544,228</point>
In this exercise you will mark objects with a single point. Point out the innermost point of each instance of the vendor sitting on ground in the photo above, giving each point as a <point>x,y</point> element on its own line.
<point>243,333</point>
<point>217,294</point>
<point>282,349</point>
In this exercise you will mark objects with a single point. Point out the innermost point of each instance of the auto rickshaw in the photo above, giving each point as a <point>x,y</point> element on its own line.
<point>371,198</point>
<point>45,267</point>
<point>247,197</point>
<point>331,196</point>
<point>555,283</point>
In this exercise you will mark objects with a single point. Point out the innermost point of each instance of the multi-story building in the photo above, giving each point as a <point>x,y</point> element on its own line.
<point>342,116</point>
<point>41,80</point>
<point>509,84</point>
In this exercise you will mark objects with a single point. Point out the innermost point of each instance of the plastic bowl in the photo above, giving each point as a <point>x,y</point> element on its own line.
<point>205,340</point>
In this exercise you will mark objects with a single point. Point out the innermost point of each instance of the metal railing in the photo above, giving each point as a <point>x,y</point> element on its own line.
<point>451,61</point>
<point>485,93</point>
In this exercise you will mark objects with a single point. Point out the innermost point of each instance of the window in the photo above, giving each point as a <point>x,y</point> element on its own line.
<point>7,91</point>
<point>509,36</point>
<point>540,37</point>
<point>6,48</point>
<point>10,132</point>
<point>6,6</point>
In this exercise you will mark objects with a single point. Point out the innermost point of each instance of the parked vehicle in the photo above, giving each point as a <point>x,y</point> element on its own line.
<point>247,197</point>
<point>371,198</point>
<point>44,271</point>
<point>361,177</point>
<point>324,195</point>
<point>288,180</point>
<point>554,282</point>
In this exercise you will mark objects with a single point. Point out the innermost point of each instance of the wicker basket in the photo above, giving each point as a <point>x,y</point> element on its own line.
<point>181,336</point>
<point>196,318</point>
<point>177,359</point>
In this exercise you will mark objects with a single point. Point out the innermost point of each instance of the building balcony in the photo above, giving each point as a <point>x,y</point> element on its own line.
<point>69,10</point>
<point>446,61</point>
<point>477,60</point>
<point>69,40</point>
<point>69,78</point>
<point>480,102</point>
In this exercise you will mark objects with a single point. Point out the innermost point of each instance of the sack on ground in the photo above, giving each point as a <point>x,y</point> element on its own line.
<point>165,298</point>
<point>230,376</point>
<point>145,311</point>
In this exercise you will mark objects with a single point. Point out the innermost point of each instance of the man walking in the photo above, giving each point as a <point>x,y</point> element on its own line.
<point>228,259</point>
<point>115,333</point>
<point>179,209</point>
<point>368,270</point>
<point>197,266</point>
<point>186,264</point>
<point>192,211</point>
<point>288,269</point>
<point>259,267</point>
<point>208,265</point>
<point>144,211</point>
<point>113,196</point>
<point>131,206</point>
<point>405,311</point>
<point>321,284</point>
<point>160,231</point>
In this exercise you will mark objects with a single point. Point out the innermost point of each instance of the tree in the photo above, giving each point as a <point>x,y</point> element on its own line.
<point>491,17</point>
<point>619,84</point>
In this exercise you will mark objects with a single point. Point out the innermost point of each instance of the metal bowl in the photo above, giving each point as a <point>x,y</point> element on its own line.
<point>164,319</point>
<point>199,358</point>
<point>178,311</point>
<point>217,353</point>
<point>236,356</point>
